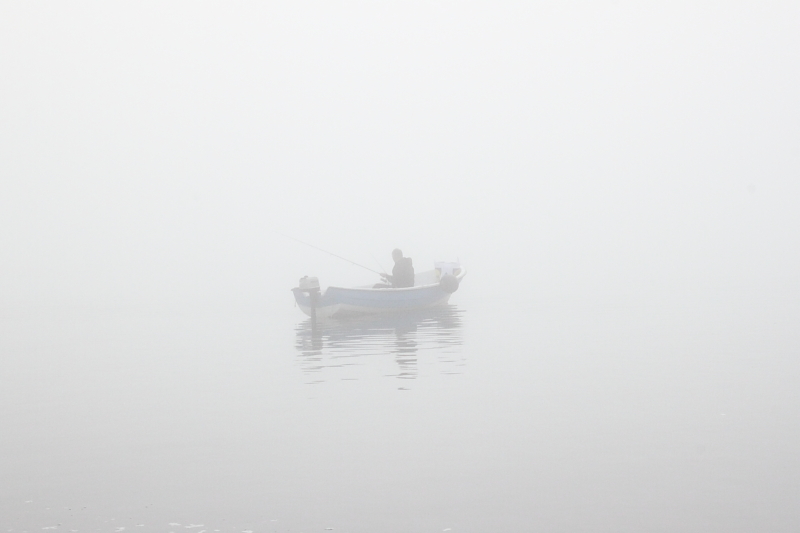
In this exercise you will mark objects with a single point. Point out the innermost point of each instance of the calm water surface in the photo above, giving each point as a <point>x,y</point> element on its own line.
<point>650,414</point>
<point>357,347</point>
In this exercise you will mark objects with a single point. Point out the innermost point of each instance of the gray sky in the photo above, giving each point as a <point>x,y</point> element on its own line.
<point>619,179</point>
<point>154,150</point>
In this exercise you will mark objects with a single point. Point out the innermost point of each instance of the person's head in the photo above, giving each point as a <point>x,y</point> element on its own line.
<point>397,254</point>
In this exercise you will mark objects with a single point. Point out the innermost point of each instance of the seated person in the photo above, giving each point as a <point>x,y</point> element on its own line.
<point>402,274</point>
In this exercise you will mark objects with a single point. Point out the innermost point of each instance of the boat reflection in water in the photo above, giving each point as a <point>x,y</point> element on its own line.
<point>397,345</point>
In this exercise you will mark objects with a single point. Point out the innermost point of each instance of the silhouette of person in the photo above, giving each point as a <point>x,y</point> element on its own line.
<point>402,274</point>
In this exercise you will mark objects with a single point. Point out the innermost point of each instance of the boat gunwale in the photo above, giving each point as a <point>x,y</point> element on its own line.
<point>395,289</point>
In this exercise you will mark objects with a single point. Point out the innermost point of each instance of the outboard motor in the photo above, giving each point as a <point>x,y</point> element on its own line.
<point>308,283</point>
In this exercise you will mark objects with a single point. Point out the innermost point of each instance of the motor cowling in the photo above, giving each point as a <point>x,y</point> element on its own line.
<point>309,283</point>
<point>448,283</point>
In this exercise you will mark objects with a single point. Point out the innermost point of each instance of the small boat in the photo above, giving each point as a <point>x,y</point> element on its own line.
<point>431,288</point>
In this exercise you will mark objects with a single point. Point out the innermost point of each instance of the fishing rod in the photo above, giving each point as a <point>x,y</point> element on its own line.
<point>331,253</point>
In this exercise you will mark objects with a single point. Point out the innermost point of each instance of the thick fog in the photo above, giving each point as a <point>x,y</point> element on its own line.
<point>590,164</point>
<point>163,150</point>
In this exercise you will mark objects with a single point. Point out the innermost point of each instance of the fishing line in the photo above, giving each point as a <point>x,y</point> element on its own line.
<point>330,253</point>
<point>379,263</point>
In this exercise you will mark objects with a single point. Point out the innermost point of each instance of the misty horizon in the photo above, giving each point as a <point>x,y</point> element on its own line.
<point>619,180</point>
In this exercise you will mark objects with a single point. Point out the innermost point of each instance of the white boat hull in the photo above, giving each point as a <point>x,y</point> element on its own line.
<point>340,301</point>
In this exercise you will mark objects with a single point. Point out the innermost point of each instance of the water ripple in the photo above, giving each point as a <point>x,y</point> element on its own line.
<point>347,349</point>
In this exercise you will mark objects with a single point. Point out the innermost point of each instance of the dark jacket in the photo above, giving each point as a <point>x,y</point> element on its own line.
<point>403,273</point>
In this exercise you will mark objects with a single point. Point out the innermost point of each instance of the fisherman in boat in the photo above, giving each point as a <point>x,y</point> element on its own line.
<point>402,274</point>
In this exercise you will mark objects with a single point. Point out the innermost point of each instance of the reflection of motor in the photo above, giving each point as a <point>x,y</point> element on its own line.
<point>448,283</point>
